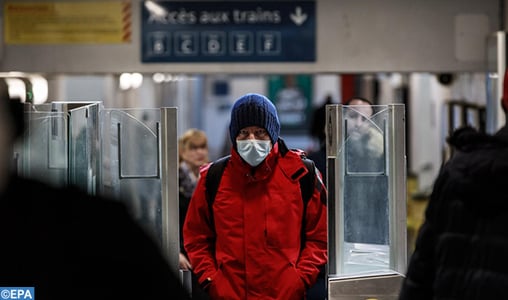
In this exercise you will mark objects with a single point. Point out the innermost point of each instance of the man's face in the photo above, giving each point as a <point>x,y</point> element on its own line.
<point>254,133</point>
<point>358,118</point>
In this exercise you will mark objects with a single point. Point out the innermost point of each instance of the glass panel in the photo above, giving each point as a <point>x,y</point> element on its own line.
<point>42,153</point>
<point>130,146</point>
<point>364,143</point>
<point>496,65</point>
<point>138,139</point>
<point>84,147</point>
<point>366,180</point>
<point>366,199</point>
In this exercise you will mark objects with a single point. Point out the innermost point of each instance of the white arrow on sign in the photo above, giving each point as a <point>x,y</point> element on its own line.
<point>298,17</point>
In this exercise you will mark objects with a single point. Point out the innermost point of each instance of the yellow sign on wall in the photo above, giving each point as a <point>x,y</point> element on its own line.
<point>72,22</point>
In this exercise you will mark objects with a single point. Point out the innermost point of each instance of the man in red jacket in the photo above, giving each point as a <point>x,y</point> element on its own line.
<point>259,240</point>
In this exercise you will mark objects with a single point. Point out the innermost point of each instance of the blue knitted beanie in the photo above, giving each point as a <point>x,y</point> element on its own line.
<point>254,110</point>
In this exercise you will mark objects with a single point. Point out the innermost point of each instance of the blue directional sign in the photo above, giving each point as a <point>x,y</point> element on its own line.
<point>191,31</point>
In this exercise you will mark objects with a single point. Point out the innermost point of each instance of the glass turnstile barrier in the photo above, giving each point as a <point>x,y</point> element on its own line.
<point>125,154</point>
<point>366,180</point>
<point>495,81</point>
<point>139,166</point>
<point>60,144</point>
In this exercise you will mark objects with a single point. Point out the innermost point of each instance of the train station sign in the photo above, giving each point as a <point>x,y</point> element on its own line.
<point>230,31</point>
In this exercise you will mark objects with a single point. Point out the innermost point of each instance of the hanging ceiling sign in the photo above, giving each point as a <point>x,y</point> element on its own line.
<point>269,31</point>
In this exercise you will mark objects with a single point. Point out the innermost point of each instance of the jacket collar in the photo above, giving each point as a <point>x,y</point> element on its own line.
<point>468,138</point>
<point>502,134</point>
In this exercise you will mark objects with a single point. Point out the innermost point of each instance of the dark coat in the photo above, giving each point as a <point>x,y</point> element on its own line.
<point>186,187</point>
<point>69,245</point>
<point>462,246</point>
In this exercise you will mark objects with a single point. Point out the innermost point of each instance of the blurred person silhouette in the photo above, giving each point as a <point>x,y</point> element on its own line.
<point>67,244</point>
<point>364,139</point>
<point>317,130</point>
<point>193,153</point>
<point>258,238</point>
<point>461,247</point>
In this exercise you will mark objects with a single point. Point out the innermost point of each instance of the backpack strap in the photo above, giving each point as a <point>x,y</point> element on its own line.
<point>307,182</point>
<point>213,177</point>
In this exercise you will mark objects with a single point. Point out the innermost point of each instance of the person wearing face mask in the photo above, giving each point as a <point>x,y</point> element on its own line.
<point>257,240</point>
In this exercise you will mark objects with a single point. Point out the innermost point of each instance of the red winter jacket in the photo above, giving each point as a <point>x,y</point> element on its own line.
<point>255,251</point>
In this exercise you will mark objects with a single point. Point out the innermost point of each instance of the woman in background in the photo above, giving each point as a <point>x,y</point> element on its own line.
<point>193,153</point>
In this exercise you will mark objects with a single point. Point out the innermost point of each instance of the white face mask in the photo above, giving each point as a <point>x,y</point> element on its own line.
<point>253,151</point>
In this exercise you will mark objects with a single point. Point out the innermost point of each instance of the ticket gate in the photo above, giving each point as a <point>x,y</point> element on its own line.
<point>126,154</point>
<point>366,180</point>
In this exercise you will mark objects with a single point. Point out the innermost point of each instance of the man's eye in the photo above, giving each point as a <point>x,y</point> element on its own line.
<point>352,115</point>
